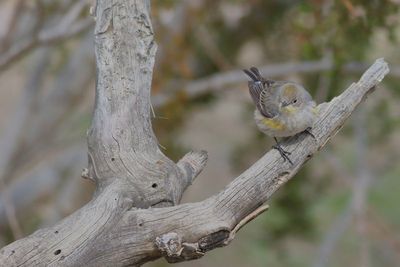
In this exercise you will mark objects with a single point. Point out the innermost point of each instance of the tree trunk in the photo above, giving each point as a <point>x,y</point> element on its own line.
<point>135,216</point>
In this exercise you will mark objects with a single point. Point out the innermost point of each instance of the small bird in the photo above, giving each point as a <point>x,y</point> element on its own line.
<point>283,108</point>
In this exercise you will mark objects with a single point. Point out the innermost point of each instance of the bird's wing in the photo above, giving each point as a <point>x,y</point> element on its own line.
<point>268,102</point>
<point>260,93</point>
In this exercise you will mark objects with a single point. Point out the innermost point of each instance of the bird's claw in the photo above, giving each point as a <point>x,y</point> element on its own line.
<point>284,154</point>
<point>308,131</point>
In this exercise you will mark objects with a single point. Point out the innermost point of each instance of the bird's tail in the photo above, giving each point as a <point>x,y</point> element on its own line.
<point>256,76</point>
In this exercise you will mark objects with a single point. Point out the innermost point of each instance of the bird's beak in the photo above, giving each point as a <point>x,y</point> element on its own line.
<point>284,104</point>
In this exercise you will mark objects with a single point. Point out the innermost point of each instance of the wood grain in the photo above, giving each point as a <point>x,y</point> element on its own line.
<point>135,216</point>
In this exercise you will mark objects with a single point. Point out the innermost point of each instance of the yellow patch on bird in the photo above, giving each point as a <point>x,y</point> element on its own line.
<point>289,109</point>
<point>273,124</point>
<point>315,110</point>
<point>289,90</point>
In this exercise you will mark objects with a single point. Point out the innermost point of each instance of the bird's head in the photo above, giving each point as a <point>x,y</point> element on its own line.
<point>293,97</point>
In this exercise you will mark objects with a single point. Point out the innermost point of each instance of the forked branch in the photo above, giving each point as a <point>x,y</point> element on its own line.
<point>134,216</point>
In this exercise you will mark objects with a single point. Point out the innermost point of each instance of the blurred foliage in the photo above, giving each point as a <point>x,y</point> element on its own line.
<point>286,31</point>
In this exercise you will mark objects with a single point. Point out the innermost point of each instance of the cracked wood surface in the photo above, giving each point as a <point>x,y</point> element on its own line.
<point>134,216</point>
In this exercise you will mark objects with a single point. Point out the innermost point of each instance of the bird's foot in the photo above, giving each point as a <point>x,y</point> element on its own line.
<point>284,154</point>
<point>308,131</point>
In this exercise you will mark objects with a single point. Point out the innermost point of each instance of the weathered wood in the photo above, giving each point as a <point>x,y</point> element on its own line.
<point>134,217</point>
<point>122,145</point>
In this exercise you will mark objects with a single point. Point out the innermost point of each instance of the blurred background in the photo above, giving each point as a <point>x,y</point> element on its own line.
<point>342,209</point>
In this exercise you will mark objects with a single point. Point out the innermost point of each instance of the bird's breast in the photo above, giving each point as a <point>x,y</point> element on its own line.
<point>273,124</point>
<point>286,123</point>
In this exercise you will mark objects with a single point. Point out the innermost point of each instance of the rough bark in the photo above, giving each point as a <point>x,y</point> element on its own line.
<point>122,145</point>
<point>134,216</point>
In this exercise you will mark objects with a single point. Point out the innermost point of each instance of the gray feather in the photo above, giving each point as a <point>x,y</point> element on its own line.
<point>260,91</point>
<point>268,103</point>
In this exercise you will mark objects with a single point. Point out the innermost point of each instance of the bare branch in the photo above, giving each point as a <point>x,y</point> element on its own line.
<point>39,130</point>
<point>200,226</point>
<point>53,108</point>
<point>32,184</point>
<point>10,142</point>
<point>11,25</point>
<point>216,82</point>
<point>66,29</point>
<point>220,80</point>
<point>11,137</point>
<point>121,135</point>
<point>192,164</point>
<point>118,227</point>
<point>245,221</point>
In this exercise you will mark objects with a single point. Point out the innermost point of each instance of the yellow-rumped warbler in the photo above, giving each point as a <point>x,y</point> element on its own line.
<point>283,108</point>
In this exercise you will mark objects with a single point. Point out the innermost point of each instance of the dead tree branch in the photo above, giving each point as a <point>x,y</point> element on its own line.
<point>216,82</point>
<point>68,27</point>
<point>10,142</point>
<point>134,217</point>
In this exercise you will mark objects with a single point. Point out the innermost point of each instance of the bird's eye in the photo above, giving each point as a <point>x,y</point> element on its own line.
<point>295,101</point>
